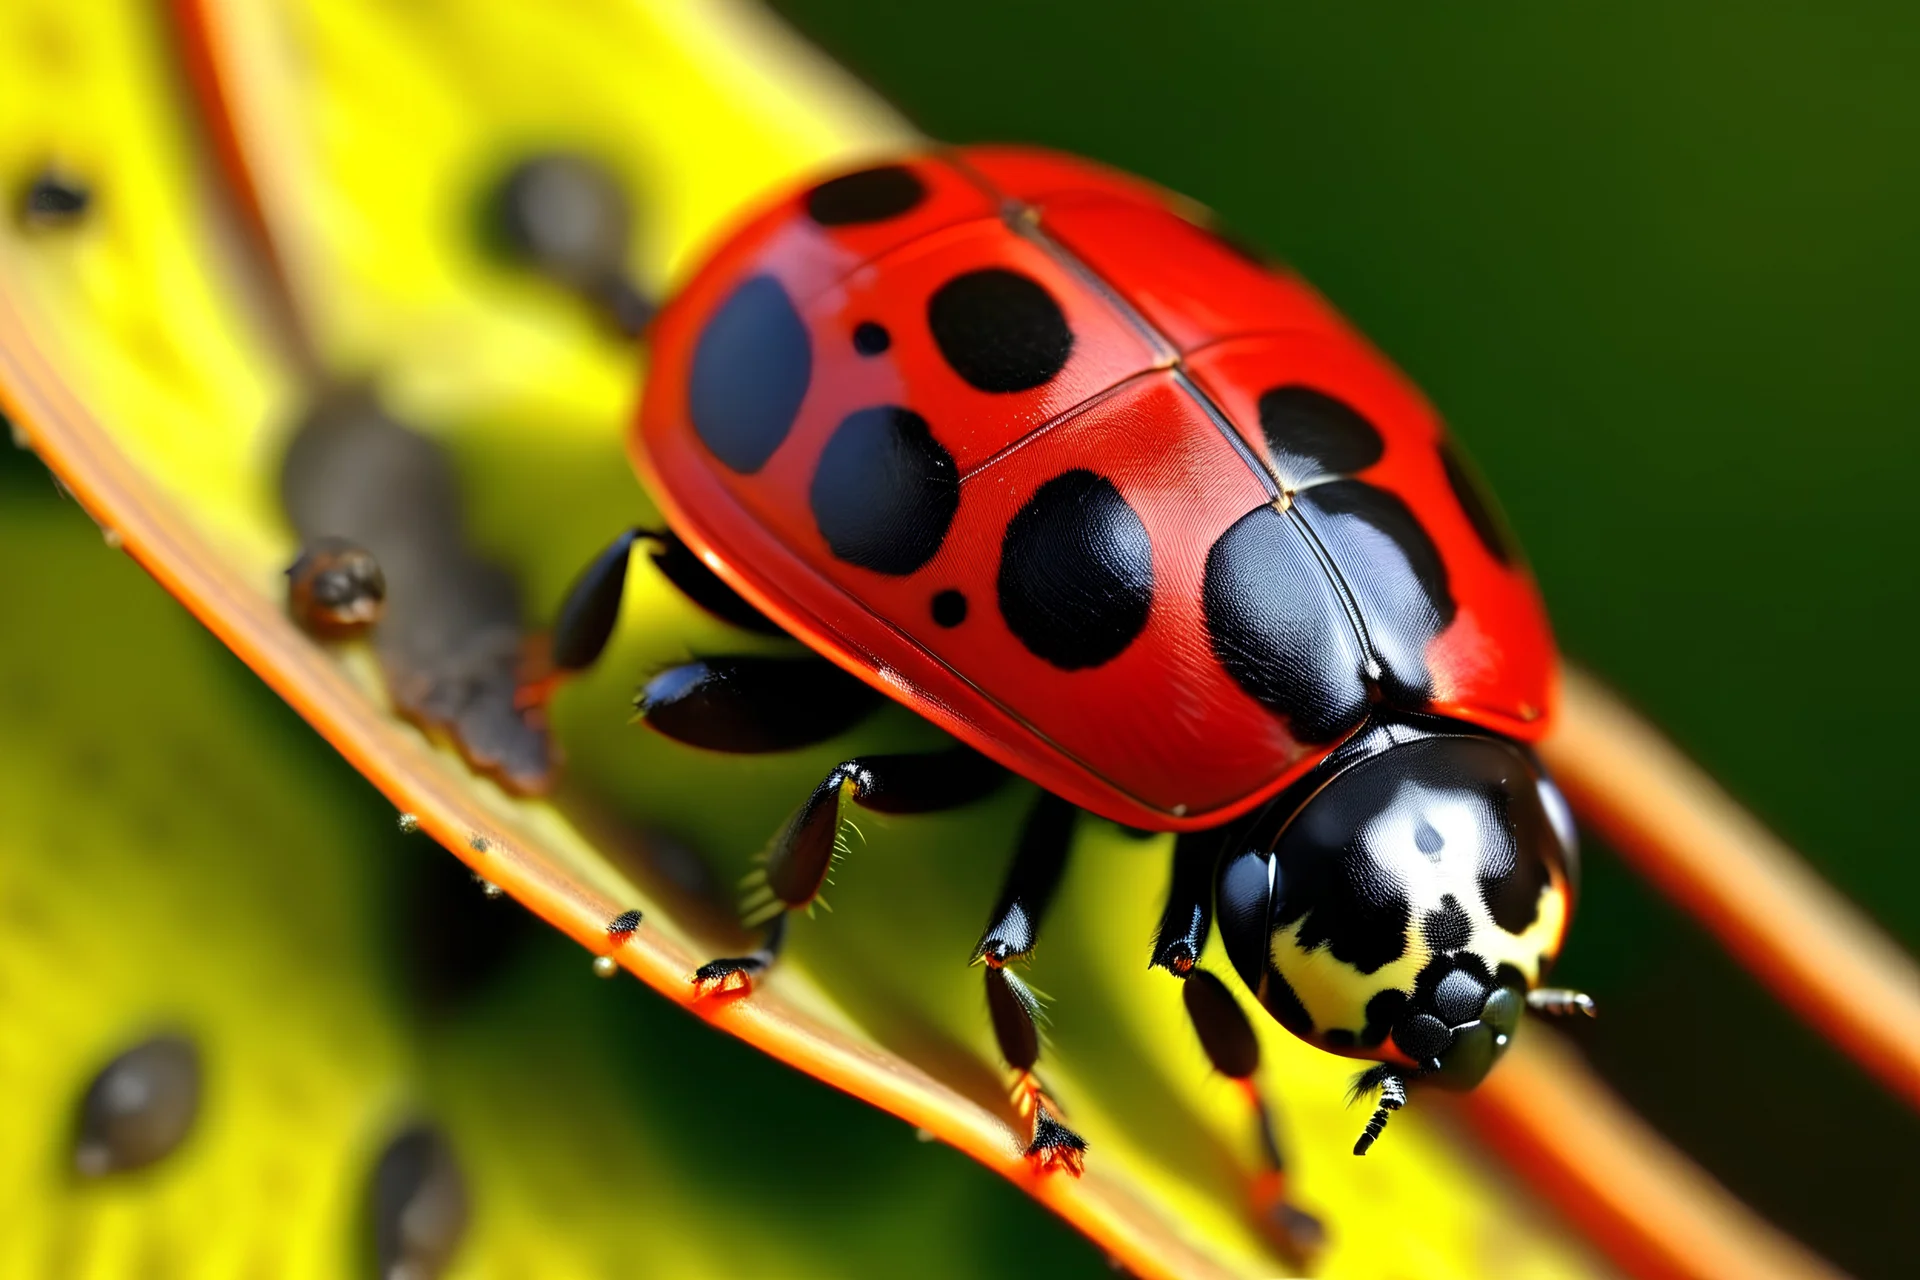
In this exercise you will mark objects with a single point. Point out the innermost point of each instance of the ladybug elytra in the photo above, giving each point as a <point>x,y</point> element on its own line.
<point>1023,445</point>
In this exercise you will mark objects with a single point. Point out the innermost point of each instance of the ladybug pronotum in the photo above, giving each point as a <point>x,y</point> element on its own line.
<point>1010,439</point>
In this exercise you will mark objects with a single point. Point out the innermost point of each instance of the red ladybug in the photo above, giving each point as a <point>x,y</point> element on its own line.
<point>1021,444</point>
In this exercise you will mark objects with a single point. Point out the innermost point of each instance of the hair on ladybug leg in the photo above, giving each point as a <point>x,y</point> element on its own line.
<point>1012,933</point>
<point>802,853</point>
<point>1561,1002</point>
<point>1392,1087</point>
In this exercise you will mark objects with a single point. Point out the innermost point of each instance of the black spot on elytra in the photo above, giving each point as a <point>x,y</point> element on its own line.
<point>949,608</point>
<point>1279,628</point>
<point>750,372</point>
<point>1000,330</point>
<point>1394,573</point>
<point>1076,572</point>
<point>871,195</point>
<point>871,339</point>
<point>885,491</point>
<point>1447,928</point>
<point>1312,435</point>
<point>1479,509</point>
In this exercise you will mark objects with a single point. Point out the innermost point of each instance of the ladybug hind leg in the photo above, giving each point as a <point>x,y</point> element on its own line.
<point>804,849</point>
<point>1012,932</point>
<point>1226,1035</point>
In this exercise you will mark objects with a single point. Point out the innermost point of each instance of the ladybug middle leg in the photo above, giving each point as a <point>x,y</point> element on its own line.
<point>1223,1029</point>
<point>1012,932</point>
<point>804,849</point>
<point>762,703</point>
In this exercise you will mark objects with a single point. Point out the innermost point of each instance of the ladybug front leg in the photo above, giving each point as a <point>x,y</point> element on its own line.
<point>804,850</point>
<point>1224,1032</point>
<point>1011,934</point>
<point>592,607</point>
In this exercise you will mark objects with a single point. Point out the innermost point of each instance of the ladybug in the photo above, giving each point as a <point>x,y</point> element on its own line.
<point>1024,445</point>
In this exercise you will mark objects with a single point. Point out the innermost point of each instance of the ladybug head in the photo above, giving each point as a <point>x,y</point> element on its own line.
<point>1403,902</point>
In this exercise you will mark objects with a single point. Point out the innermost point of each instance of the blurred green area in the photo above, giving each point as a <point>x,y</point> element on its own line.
<point>1656,264</point>
<point>182,853</point>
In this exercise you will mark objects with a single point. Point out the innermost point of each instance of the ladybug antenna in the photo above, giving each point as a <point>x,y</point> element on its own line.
<point>1393,1096</point>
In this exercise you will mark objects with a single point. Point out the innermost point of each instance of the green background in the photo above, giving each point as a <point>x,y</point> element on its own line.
<point>1658,266</point>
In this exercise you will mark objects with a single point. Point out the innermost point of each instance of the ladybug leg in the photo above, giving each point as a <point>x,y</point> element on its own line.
<point>754,704</point>
<point>803,852</point>
<point>592,607</point>
<point>1224,1031</point>
<point>1011,934</point>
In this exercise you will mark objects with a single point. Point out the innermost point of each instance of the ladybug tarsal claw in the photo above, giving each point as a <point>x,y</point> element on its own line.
<point>1561,1002</point>
<point>1054,1146</point>
<point>732,977</point>
<point>735,975</point>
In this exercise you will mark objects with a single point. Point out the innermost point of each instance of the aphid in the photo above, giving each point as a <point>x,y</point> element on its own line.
<point>621,927</point>
<point>420,1205</point>
<point>140,1107</point>
<point>1025,449</point>
<point>335,590</point>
